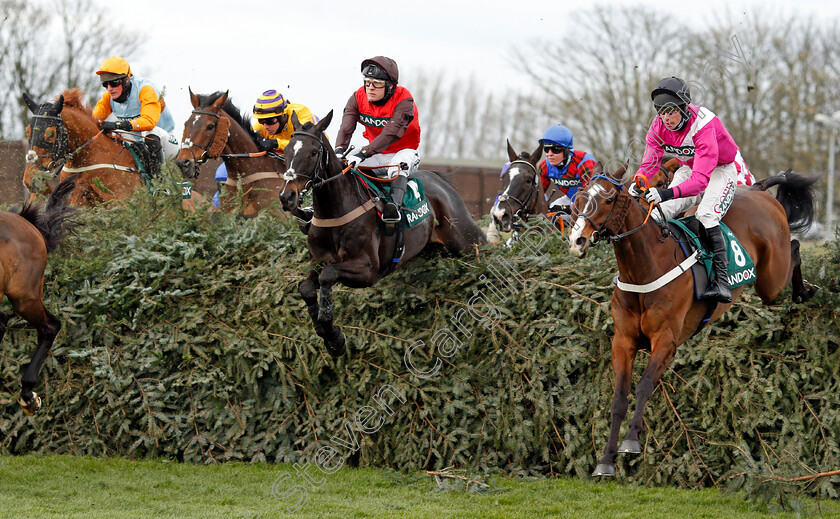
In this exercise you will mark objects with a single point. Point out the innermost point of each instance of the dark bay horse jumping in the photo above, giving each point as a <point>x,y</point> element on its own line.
<point>25,239</point>
<point>660,319</point>
<point>215,129</point>
<point>346,240</point>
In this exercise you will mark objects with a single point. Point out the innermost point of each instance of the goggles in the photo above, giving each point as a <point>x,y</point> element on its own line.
<point>374,83</point>
<point>554,148</point>
<point>113,83</point>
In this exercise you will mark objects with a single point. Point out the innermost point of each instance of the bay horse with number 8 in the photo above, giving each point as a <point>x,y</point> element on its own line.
<point>660,319</point>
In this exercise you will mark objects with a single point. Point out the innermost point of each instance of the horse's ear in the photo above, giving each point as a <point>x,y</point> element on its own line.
<point>295,120</point>
<point>193,98</point>
<point>671,166</point>
<point>324,123</point>
<point>220,102</point>
<point>537,154</point>
<point>621,171</point>
<point>32,105</point>
<point>59,105</point>
<point>510,150</point>
<point>598,169</point>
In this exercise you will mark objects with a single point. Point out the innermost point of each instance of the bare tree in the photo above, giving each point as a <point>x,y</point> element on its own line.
<point>596,77</point>
<point>48,47</point>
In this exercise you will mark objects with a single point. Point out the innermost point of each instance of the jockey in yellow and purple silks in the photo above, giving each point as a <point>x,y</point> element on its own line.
<point>708,175</point>
<point>274,120</point>
<point>133,103</point>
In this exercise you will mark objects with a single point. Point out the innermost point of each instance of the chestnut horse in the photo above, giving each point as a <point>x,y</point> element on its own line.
<point>522,193</point>
<point>346,240</point>
<point>64,137</point>
<point>215,129</point>
<point>661,319</point>
<point>25,239</point>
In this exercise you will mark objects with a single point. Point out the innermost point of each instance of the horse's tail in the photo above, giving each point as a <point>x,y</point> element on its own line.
<point>796,194</point>
<point>54,222</point>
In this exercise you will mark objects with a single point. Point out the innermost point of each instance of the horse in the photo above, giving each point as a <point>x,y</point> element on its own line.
<point>347,240</point>
<point>64,139</point>
<point>25,239</point>
<point>661,319</point>
<point>522,193</point>
<point>215,129</point>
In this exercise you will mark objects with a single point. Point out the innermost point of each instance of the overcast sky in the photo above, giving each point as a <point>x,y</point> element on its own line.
<point>311,50</point>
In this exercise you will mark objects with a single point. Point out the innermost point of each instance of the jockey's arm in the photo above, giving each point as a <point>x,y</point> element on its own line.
<point>395,128</point>
<point>150,110</point>
<point>348,123</point>
<point>653,155</point>
<point>103,107</point>
<point>544,180</point>
<point>304,116</point>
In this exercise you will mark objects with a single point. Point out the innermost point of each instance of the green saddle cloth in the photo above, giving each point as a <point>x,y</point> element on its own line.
<point>740,267</point>
<point>415,206</point>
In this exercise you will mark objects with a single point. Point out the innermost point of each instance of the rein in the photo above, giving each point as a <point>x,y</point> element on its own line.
<point>57,151</point>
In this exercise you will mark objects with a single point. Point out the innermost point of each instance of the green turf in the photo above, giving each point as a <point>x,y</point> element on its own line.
<point>70,487</point>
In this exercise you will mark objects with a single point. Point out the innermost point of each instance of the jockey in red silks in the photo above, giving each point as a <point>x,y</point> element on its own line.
<point>708,175</point>
<point>566,168</point>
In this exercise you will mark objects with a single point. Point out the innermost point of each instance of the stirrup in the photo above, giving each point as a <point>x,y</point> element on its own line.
<point>388,217</point>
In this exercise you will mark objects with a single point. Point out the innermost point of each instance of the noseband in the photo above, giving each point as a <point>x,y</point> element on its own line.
<point>505,197</point>
<point>315,179</point>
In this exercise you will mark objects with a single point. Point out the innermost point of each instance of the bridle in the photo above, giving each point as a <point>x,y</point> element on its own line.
<point>205,154</point>
<point>317,178</point>
<point>524,206</point>
<point>614,220</point>
<point>56,150</point>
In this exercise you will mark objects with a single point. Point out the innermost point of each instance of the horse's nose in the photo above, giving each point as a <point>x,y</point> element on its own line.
<point>187,167</point>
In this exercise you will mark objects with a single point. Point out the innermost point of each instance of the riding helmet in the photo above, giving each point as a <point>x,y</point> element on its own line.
<point>671,90</point>
<point>270,104</point>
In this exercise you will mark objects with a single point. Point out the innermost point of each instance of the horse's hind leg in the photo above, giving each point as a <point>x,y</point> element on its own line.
<point>47,326</point>
<point>802,290</point>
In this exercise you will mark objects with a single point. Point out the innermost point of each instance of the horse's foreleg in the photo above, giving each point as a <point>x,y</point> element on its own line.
<point>308,289</point>
<point>48,326</point>
<point>663,348</point>
<point>334,339</point>
<point>623,353</point>
<point>802,290</point>
<point>4,320</point>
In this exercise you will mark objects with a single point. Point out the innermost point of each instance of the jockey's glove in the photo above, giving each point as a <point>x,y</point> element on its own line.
<point>110,126</point>
<point>266,144</point>
<point>634,190</point>
<point>354,160</point>
<point>340,152</point>
<point>656,196</point>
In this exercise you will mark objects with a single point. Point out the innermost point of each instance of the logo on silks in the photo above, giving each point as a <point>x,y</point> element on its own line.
<point>567,182</point>
<point>187,190</point>
<point>679,151</point>
<point>726,197</point>
<point>376,122</point>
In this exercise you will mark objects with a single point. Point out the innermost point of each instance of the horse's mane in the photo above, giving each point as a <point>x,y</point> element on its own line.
<point>242,119</point>
<point>74,98</point>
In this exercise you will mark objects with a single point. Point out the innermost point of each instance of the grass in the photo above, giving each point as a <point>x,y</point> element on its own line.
<point>71,487</point>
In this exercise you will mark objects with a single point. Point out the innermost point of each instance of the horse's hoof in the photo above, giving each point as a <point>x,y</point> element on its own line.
<point>338,346</point>
<point>604,470</point>
<point>32,406</point>
<point>630,447</point>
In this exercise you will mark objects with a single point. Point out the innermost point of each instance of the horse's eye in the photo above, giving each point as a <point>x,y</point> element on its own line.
<point>529,181</point>
<point>50,134</point>
<point>211,126</point>
<point>313,153</point>
<point>609,201</point>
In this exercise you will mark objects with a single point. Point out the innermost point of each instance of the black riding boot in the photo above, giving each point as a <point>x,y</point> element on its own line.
<point>155,154</point>
<point>391,214</point>
<point>719,288</point>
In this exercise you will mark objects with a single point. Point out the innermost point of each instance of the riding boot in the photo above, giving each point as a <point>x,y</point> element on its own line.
<point>719,288</point>
<point>155,154</point>
<point>391,214</point>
